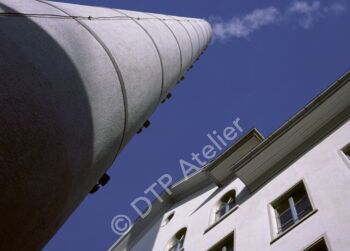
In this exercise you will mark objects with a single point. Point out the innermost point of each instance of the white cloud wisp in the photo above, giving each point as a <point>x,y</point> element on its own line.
<point>304,13</point>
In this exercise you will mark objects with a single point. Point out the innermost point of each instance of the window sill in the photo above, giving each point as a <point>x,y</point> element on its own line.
<point>221,219</point>
<point>279,236</point>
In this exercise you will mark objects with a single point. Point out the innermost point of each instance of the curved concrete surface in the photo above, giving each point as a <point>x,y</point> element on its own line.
<point>77,83</point>
<point>183,39</point>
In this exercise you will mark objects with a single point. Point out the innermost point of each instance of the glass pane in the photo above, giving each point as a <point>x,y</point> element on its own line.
<point>225,248</point>
<point>177,247</point>
<point>299,194</point>
<point>231,204</point>
<point>228,197</point>
<point>224,245</point>
<point>285,219</point>
<point>318,246</point>
<point>228,247</point>
<point>347,153</point>
<point>181,243</point>
<point>282,206</point>
<point>222,211</point>
<point>303,207</point>
<point>297,199</point>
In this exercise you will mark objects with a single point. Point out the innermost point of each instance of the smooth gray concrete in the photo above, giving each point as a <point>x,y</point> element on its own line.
<point>183,39</point>
<point>73,92</point>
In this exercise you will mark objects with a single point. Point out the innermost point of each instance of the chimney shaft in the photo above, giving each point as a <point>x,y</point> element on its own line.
<point>77,83</point>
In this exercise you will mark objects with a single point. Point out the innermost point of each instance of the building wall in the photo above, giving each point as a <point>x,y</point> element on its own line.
<point>325,172</point>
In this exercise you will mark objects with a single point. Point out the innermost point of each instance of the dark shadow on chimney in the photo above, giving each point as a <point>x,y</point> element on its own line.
<point>46,134</point>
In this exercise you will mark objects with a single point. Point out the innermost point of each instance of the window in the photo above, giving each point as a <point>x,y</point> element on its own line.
<point>224,245</point>
<point>168,218</point>
<point>177,242</point>
<point>292,207</point>
<point>320,245</point>
<point>225,205</point>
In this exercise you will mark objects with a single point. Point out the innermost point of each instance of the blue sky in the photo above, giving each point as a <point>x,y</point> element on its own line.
<point>269,58</point>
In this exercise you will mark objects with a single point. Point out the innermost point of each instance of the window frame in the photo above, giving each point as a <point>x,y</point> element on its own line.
<point>291,202</point>
<point>174,241</point>
<point>168,218</point>
<point>213,221</point>
<point>220,204</point>
<point>273,216</point>
<point>178,245</point>
<point>220,242</point>
<point>324,238</point>
<point>346,152</point>
<point>228,206</point>
<point>343,154</point>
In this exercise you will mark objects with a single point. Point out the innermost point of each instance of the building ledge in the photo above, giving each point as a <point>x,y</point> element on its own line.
<point>299,134</point>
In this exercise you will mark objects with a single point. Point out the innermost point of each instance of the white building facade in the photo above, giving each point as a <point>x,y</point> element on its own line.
<point>78,83</point>
<point>288,192</point>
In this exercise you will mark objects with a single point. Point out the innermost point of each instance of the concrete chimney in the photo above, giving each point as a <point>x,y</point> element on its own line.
<point>77,83</point>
